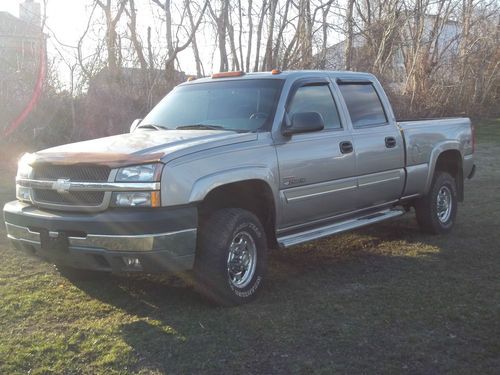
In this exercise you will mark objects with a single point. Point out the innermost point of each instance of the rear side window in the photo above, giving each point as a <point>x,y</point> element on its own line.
<point>363,103</point>
<point>316,98</point>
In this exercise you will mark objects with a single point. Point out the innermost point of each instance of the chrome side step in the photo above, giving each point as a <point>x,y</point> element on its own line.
<point>343,226</point>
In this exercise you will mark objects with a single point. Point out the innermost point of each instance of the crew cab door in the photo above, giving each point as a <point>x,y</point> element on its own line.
<point>317,169</point>
<point>377,141</point>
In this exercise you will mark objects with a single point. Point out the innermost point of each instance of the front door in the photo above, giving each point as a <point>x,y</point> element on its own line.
<point>317,169</point>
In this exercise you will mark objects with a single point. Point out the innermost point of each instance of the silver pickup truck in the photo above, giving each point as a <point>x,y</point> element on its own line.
<point>226,167</point>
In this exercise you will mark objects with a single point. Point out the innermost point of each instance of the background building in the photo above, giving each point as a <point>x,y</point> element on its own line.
<point>21,39</point>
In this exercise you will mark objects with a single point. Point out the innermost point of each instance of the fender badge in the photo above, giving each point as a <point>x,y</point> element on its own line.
<point>287,181</point>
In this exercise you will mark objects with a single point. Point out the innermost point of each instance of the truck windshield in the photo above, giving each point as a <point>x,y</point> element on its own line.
<point>239,105</point>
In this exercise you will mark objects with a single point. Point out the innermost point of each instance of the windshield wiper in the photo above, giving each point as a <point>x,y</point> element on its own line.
<point>152,126</point>
<point>202,127</point>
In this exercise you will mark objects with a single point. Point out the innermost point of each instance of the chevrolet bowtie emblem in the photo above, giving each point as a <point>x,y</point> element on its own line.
<point>61,185</point>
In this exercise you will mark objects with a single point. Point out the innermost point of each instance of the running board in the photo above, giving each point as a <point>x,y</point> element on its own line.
<point>343,226</point>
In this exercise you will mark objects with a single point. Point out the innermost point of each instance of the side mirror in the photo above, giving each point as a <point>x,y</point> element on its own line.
<point>135,124</point>
<point>305,122</point>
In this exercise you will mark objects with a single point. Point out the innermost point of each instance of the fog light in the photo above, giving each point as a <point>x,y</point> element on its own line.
<point>132,262</point>
<point>23,193</point>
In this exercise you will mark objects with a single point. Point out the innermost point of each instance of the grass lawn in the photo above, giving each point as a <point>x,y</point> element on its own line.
<point>385,299</point>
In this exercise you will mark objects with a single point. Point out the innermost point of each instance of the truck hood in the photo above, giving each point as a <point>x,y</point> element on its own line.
<point>142,146</point>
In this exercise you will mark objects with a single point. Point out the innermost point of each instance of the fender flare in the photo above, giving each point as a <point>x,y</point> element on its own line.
<point>435,153</point>
<point>206,184</point>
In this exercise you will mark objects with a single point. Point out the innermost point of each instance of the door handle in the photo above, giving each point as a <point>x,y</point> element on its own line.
<point>390,142</point>
<point>346,147</point>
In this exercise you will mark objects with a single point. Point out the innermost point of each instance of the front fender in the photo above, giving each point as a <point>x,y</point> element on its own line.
<point>207,183</point>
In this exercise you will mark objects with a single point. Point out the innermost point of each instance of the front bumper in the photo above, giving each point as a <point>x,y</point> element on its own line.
<point>121,240</point>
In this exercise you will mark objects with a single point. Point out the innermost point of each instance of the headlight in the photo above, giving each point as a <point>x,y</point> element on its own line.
<point>136,199</point>
<point>24,168</point>
<point>139,173</point>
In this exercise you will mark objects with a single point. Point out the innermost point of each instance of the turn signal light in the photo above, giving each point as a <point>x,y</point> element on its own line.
<point>155,199</point>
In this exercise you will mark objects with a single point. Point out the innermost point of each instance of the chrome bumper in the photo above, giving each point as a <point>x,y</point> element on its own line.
<point>146,242</point>
<point>161,240</point>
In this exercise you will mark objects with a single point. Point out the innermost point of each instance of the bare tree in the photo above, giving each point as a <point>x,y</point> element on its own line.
<point>199,65</point>
<point>132,26</point>
<point>174,44</point>
<point>112,17</point>
<point>235,64</point>
<point>221,23</point>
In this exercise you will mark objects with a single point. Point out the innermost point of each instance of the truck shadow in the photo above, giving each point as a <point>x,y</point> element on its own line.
<point>175,320</point>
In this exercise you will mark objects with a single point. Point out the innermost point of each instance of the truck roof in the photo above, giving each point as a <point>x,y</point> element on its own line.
<point>289,74</point>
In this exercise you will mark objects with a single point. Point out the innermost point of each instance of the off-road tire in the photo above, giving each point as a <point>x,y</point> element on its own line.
<point>427,207</point>
<point>216,235</point>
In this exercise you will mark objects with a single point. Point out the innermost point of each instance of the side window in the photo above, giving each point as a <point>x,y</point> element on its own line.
<point>363,104</point>
<point>316,99</point>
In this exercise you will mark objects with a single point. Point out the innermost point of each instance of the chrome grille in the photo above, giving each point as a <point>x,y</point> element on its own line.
<point>51,198</point>
<point>87,173</point>
<point>74,198</point>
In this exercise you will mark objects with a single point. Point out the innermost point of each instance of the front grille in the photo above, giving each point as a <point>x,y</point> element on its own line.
<point>74,198</point>
<point>88,173</point>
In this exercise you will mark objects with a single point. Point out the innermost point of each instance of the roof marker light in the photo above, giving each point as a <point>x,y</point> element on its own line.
<point>228,74</point>
<point>275,71</point>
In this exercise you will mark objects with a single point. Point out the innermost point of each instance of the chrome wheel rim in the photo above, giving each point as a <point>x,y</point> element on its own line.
<point>444,204</point>
<point>242,259</point>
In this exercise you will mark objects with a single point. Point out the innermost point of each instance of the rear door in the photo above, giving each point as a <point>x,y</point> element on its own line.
<point>378,144</point>
<point>317,170</point>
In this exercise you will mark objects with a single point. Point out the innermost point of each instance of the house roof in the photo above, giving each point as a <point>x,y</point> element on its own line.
<point>13,26</point>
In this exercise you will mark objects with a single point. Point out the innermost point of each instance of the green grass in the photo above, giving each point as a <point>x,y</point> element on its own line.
<point>386,299</point>
<point>488,131</point>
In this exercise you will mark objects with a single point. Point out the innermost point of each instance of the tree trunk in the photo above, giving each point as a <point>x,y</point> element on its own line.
<point>250,33</point>
<point>132,25</point>
<point>268,62</point>
<point>259,34</point>
<point>199,65</point>
<point>349,36</point>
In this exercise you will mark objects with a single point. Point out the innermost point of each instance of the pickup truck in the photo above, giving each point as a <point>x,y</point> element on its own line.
<point>229,166</point>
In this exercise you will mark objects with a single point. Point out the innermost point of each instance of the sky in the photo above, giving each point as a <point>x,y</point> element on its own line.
<point>67,20</point>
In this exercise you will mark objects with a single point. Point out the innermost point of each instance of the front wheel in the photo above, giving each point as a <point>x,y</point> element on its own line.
<point>231,259</point>
<point>436,211</point>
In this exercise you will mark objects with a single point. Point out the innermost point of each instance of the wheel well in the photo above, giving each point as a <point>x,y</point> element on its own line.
<point>252,195</point>
<point>451,161</point>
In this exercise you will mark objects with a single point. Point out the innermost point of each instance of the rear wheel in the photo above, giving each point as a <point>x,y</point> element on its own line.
<point>231,259</point>
<point>436,211</point>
